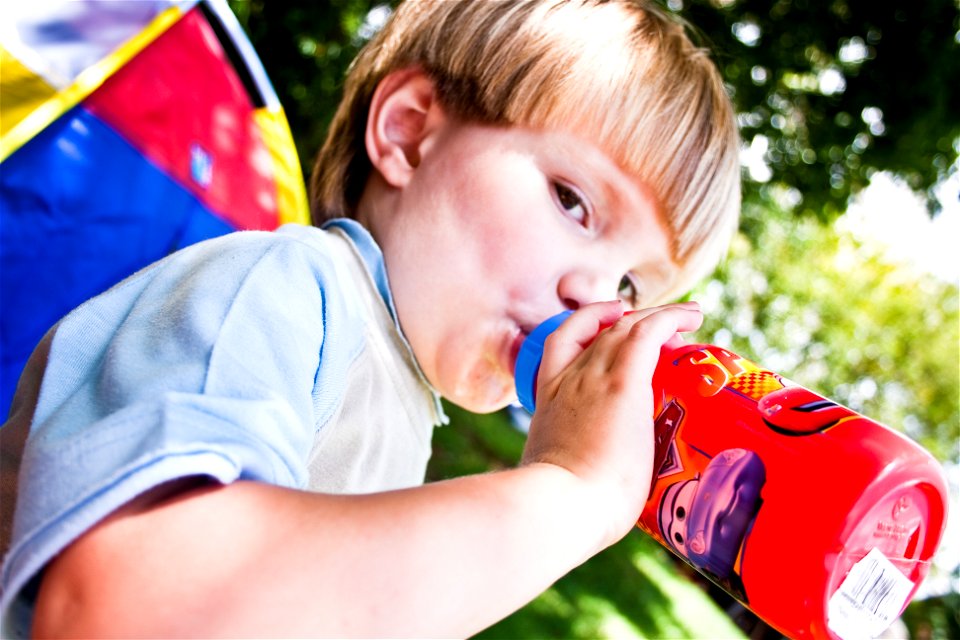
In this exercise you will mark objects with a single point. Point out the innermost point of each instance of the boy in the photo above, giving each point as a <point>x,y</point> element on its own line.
<point>232,441</point>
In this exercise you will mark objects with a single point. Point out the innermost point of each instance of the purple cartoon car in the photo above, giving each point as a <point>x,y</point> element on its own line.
<point>707,518</point>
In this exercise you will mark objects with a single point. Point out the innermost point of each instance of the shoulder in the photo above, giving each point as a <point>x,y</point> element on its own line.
<point>248,249</point>
<point>225,269</point>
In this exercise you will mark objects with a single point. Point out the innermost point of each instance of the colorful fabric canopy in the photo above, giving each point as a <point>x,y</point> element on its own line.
<point>127,130</point>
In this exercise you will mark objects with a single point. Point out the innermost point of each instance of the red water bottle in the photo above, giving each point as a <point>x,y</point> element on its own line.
<point>819,520</point>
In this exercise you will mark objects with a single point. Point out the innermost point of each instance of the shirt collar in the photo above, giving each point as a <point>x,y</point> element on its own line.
<point>370,253</point>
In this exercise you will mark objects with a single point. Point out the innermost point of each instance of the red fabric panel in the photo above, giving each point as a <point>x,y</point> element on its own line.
<point>181,103</point>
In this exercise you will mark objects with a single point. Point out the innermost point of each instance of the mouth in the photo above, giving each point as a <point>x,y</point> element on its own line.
<point>514,350</point>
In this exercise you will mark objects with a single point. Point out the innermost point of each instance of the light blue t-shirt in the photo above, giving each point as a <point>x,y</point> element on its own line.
<point>242,357</point>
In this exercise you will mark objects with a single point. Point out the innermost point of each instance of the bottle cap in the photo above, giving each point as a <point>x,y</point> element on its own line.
<point>529,357</point>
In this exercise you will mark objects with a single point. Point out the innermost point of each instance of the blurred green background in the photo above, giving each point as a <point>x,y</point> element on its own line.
<point>844,276</point>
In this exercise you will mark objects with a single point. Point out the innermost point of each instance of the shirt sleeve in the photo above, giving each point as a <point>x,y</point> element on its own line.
<point>203,364</point>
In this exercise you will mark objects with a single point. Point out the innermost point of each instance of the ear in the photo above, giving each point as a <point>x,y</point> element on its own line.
<point>403,114</point>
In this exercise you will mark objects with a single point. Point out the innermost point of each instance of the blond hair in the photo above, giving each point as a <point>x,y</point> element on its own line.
<point>622,74</point>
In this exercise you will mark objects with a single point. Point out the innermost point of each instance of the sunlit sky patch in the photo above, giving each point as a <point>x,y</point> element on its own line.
<point>888,213</point>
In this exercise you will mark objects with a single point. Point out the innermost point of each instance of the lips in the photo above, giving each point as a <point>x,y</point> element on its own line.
<point>514,349</point>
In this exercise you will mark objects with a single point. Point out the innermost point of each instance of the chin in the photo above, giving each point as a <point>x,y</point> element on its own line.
<point>488,395</point>
<point>486,407</point>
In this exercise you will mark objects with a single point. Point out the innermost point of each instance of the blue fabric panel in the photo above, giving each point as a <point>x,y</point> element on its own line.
<point>80,209</point>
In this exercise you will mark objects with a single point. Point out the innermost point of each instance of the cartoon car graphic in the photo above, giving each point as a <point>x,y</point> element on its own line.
<point>707,518</point>
<point>795,411</point>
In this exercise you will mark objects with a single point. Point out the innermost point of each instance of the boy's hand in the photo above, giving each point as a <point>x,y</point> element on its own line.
<point>594,414</point>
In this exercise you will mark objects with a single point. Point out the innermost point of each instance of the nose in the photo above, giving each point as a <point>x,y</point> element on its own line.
<point>579,287</point>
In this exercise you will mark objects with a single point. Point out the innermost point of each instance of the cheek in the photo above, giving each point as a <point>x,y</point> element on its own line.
<point>511,237</point>
<point>487,258</point>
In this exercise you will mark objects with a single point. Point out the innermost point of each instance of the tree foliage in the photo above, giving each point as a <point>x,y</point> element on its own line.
<point>837,89</point>
<point>306,48</point>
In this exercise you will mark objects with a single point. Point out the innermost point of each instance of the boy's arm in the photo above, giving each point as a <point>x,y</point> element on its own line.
<point>445,559</point>
<point>251,559</point>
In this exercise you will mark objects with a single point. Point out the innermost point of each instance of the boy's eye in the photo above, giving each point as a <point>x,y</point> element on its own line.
<point>629,291</point>
<point>571,202</point>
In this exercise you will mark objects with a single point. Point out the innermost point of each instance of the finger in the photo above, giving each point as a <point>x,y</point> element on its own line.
<point>624,325</point>
<point>643,313</point>
<point>641,346</point>
<point>675,342</point>
<point>575,334</point>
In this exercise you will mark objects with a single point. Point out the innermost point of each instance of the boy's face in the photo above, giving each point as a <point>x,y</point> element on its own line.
<point>499,228</point>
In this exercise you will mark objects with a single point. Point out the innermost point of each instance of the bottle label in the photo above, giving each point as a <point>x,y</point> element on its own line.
<point>870,598</point>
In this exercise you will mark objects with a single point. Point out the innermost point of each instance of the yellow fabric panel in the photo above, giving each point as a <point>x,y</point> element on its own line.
<point>86,83</point>
<point>291,191</point>
<point>21,90</point>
